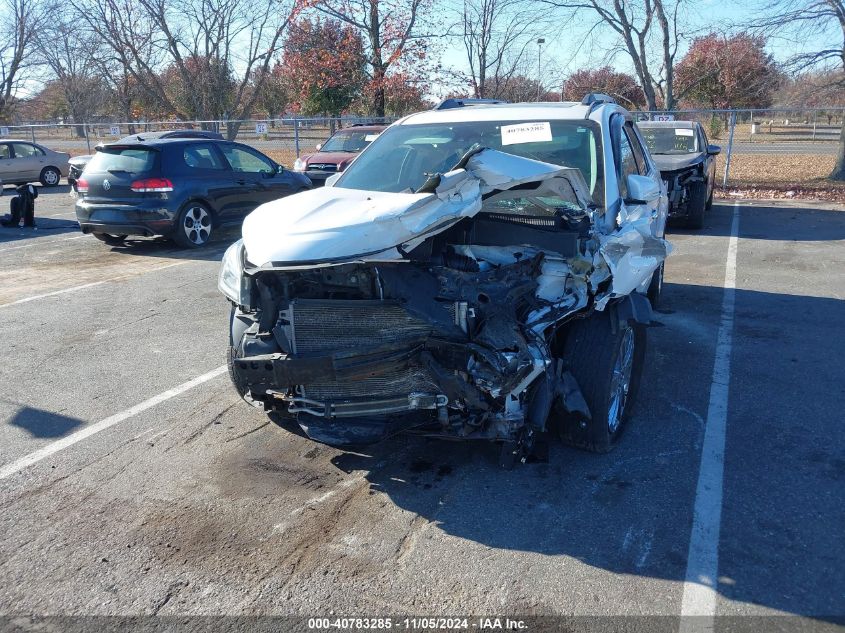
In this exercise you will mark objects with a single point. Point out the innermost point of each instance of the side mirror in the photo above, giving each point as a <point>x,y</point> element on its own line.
<point>280,169</point>
<point>642,189</point>
<point>713,150</point>
<point>319,146</point>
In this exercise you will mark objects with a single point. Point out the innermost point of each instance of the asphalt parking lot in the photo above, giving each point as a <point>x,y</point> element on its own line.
<point>182,500</point>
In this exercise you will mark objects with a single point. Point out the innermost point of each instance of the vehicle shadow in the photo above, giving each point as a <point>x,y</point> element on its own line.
<point>163,247</point>
<point>782,223</point>
<point>631,511</point>
<point>44,227</point>
<point>44,424</point>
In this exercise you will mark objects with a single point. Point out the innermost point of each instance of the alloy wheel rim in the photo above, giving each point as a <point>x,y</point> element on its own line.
<point>197,225</point>
<point>50,177</point>
<point>620,383</point>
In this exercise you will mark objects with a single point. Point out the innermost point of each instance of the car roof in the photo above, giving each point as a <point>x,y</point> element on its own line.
<point>159,142</point>
<point>678,125</point>
<point>529,111</point>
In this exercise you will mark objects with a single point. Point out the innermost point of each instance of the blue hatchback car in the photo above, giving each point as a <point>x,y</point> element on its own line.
<point>181,188</point>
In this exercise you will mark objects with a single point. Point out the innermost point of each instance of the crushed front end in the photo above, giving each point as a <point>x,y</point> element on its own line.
<point>453,331</point>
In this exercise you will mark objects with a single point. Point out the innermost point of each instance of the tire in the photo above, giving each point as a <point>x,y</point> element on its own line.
<point>655,288</point>
<point>696,205</point>
<point>709,204</point>
<point>193,226</point>
<point>231,355</point>
<point>50,177</point>
<point>111,240</point>
<point>594,354</point>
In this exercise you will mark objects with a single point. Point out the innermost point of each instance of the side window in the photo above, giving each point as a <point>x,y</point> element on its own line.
<point>4,151</point>
<point>25,150</point>
<point>626,162</point>
<point>202,156</point>
<point>639,152</point>
<point>245,161</point>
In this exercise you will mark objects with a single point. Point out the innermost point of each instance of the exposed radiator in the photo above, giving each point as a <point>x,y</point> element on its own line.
<point>323,327</point>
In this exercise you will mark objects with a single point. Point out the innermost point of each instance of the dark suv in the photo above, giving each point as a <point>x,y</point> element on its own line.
<point>179,188</point>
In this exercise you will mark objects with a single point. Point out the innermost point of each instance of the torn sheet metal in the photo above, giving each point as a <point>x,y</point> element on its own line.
<point>632,255</point>
<point>346,224</point>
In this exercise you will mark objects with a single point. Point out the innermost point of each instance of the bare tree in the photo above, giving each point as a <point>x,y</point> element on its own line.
<point>649,32</point>
<point>391,33</point>
<point>198,59</point>
<point>17,51</point>
<point>495,34</point>
<point>817,29</point>
<point>69,54</point>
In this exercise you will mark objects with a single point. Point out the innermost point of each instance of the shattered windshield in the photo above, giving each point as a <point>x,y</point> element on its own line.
<point>404,156</point>
<point>668,140</point>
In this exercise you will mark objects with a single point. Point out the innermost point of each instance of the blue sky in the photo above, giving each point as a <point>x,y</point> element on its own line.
<point>575,45</point>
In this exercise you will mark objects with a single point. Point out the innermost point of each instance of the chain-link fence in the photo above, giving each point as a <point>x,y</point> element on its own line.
<point>773,145</point>
<point>282,139</point>
<point>768,147</point>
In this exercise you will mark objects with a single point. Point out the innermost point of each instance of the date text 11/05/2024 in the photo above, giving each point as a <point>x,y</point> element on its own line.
<point>414,624</point>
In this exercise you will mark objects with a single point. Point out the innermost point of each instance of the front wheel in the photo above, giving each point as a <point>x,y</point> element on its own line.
<point>607,363</point>
<point>696,205</point>
<point>655,288</point>
<point>193,226</point>
<point>50,177</point>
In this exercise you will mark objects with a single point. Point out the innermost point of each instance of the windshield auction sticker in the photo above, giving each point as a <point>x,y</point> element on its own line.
<point>681,131</point>
<point>526,133</point>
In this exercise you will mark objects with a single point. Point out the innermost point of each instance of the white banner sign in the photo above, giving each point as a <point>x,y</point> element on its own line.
<point>4,131</point>
<point>261,128</point>
<point>663,117</point>
<point>114,130</point>
<point>526,133</point>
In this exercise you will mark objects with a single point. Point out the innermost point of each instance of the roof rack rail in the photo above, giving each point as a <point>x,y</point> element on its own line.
<point>447,104</point>
<point>595,98</point>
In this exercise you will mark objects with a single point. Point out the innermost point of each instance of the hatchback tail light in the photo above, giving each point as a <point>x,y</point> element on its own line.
<point>152,185</point>
<point>81,186</point>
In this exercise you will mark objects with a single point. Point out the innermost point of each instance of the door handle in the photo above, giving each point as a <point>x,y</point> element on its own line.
<point>241,182</point>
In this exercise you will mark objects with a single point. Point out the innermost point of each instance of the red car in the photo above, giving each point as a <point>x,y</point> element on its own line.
<point>336,153</point>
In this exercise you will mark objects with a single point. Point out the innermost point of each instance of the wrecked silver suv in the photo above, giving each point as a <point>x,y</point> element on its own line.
<point>476,273</point>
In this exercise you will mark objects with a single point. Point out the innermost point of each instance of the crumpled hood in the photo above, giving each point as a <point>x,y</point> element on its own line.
<point>674,162</point>
<point>334,224</point>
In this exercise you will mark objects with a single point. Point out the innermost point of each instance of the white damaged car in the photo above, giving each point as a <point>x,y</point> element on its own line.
<point>479,272</point>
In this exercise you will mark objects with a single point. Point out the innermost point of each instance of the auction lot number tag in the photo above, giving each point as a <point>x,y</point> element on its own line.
<point>526,133</point>
<point>114,130</point>
<point>261,128</point>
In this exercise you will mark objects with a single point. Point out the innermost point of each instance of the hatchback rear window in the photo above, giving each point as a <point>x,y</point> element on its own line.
<point>134,160</point>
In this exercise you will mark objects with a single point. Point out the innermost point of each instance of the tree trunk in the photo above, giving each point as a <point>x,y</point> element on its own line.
<point>838,172</point>
<point>378,97</point>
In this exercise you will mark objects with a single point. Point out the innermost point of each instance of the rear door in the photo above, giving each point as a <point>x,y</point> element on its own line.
<point>8,171</point>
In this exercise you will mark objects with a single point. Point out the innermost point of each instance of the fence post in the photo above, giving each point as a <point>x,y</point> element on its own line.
<point>32,132</point>
<point>296,134</point>
<point>730,150</point>
<point>814,125</point>
<point>751,127</point>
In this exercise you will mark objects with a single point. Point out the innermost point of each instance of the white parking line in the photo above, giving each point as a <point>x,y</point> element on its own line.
<point>90,285</point>
<point>54,447</point>
<point>698,606</point>
<point>41,243</point>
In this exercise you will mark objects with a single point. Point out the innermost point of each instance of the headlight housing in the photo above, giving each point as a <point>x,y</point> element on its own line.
<point>299,165</point>
<point>231,280</point>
